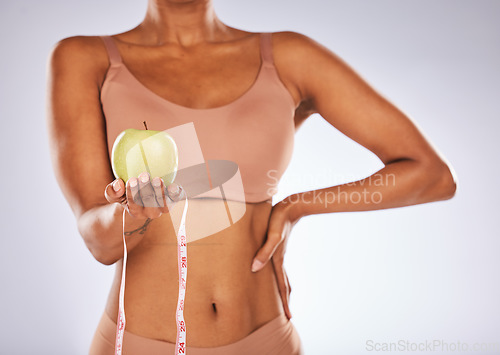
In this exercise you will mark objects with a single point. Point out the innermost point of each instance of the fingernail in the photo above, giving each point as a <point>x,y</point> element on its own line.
<point>144,177</point>
<point>116,186</point>
<point>156,182</point>
<point>174,189</point>
<point>133,182</point>
<point>257,265</point>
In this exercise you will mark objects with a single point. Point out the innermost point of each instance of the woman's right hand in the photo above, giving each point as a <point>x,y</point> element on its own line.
<point>143,198</point>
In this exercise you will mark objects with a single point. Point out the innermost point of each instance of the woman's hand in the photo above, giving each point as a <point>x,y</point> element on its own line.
<point>281,222</point>
<point>144,198</point>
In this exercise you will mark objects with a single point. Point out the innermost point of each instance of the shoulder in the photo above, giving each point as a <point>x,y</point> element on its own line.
<point>305,61</point>
<point>290,37</point>
<point>76,47</point>
<point>297,46</point>
<point>86,54</point>
<point>298,59</point>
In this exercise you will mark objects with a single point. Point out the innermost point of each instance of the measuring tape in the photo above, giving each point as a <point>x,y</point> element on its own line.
<point>180,343</point>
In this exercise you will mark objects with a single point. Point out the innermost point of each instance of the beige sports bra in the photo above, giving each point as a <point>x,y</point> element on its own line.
<point>245,145</point>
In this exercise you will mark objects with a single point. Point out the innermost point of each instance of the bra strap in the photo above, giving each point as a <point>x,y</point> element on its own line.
<point>113,53</point>
<point>266,48</point>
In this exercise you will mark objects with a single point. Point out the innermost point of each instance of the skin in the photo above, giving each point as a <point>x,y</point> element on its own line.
<point>226,299</point>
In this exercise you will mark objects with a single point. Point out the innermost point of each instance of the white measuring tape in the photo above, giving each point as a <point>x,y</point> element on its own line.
<point>180,344</point>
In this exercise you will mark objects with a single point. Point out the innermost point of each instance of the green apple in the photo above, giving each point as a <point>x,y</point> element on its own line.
<point>137,150</point>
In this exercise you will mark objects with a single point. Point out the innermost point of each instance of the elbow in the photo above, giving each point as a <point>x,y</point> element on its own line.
<point>100,249</point>
<point>444,183</point>
<point>448,181</point>
<point>103,252</point>
<point>103,256</point>
<point>100,252</point>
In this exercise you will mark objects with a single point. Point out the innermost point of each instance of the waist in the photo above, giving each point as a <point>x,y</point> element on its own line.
<point>224,302</point>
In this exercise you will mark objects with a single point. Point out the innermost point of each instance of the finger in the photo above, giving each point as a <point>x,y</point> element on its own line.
<point>115,191</point>
<point>287,295</point>
<point>134,208</point>
<point>175,192</point>
<point>159,190</point>
<point>289,285</point>
<point>146,190</point>
<point>281,279</point>
<point>148,196</point>
<point>267,250</point>
<point>161,196</point>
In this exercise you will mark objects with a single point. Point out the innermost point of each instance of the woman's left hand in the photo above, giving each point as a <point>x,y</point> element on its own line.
<point>281,222</point>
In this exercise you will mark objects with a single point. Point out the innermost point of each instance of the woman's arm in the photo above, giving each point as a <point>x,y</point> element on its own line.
<point>78,146</point>
<point>414,171</point>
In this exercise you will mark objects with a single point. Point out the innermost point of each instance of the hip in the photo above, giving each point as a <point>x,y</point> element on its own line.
<point>214,316</point>
<point>276,337</point>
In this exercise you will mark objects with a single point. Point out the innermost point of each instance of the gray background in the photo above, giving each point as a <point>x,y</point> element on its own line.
<point>419,273</point>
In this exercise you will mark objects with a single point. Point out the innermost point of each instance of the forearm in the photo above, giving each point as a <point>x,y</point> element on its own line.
<point>102,227</point>
<point>401,183</point>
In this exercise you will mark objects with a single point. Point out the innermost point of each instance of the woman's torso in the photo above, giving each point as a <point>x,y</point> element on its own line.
<point>225,301</point>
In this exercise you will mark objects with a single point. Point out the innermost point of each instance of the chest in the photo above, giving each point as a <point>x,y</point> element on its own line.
<point>255,131</point>
<point>200,79</point>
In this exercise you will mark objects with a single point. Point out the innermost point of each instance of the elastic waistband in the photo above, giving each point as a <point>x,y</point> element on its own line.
<point>259,341</point>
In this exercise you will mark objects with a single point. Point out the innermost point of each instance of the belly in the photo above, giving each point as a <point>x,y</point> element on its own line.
<point>225,301</point>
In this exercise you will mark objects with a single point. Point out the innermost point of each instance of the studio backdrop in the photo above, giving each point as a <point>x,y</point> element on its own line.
<point>361,281</point>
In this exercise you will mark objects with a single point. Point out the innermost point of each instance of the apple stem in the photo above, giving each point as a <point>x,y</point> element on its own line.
<point>145,125</point>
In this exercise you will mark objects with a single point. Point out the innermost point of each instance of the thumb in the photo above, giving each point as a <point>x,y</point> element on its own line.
<point>115,190</point>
